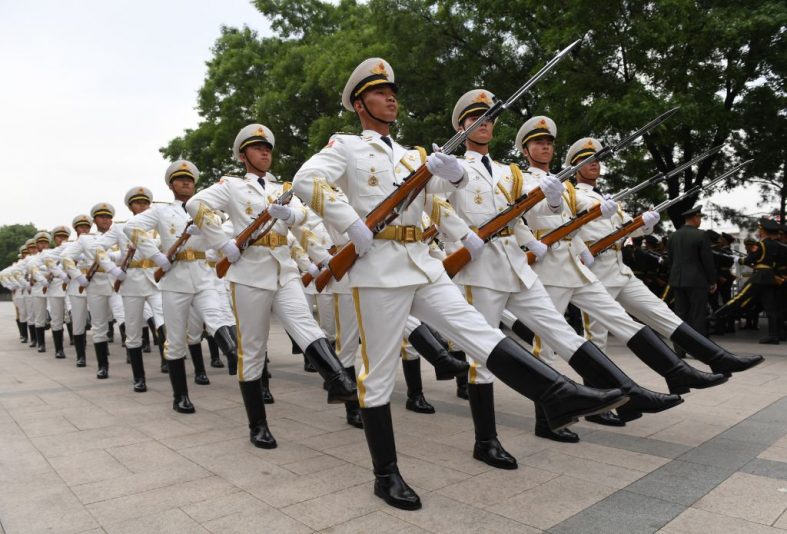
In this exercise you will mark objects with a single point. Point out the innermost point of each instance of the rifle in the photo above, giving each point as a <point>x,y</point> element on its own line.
<point>90,273</point>
<point>607,241</point>
<point>173,250</point>
<point>400,199</point>
<point>242,240</point>
<point>585,216</point>
<point>124,264</point>
<point>458,259</point>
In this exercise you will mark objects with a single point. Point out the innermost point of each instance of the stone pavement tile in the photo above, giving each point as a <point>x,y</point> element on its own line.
<point>766,468</point>
<point>202,438</point>
<point>623,512</point>
<point>612,456</point>
<point>91,466</point>
<point>760,432</point>
<point>356,452</point>
<point>313,465</point>
<point>21,403</point>
<point>589,470</point>
<point>781,522</point>
<point>256,519</point>
<point>224,505</point>
<point>441,514</point>
<point>377,522</point>
<point>39,424</point>
<point>147,456</point>
<point>694,521</point>
<point>750,497</point>
<point>288,429</point>
<point>776,412</point>
<point>653,447</point>
<point>286,453</point>
<point>724,453</point>
<point>158,500</point>
<point>162,427</point>
<point>336,508</point>
<point>689,432</point>
<point>427,475</point>
<point>86,419</point>
<point>458,459</point>
<point>65,399</point>
<point>42,504</point>
<point>680,482</point>
<point>495,486</point>
<point>241,467</point>
<point>79,442</point>
<point>172,522</point>
<point>302,488</point>
<point>325,442</point>
<point>331,419</point>
<point>19,460</point>
<point>116,487</point>
<point>552,502</point>
<point>204,420</point>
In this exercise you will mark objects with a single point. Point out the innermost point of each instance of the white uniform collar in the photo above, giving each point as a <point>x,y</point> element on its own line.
<point>584,187</point>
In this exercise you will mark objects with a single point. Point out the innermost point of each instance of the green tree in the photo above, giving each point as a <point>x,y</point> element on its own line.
<point>13,236</point>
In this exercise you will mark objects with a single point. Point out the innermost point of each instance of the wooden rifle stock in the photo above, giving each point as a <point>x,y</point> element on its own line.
<point>173,251</point>
<point>566,228</point>
<point>324,277</point>
<point>429,234</point>
<point>455,261</point>
<point>124,265</point>
<point>607,241</point>
<point>90,273</point>
<point>307,279</point>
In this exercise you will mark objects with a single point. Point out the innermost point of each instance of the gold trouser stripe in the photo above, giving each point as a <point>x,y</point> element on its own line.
<point>740,294</point>
<point>473,374</point>
<point>364,356</point>
<point>403,350</point>
<point>586,326</point>
<point>537,347</point>
<point>240,339</point>
<point>745,303</point>
<point>337,322</point>
<point>665,293</point>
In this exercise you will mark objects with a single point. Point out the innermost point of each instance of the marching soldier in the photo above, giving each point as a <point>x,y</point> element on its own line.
<point>395,276</point>
<point>56,292</point>
<point>189,280</point>
<point>265,279</point>
<point>32,252</point>
<point>627,289</point>
<point>39,283</point>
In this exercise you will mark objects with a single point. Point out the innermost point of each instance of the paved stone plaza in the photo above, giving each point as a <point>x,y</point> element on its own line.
<point>82,455</point>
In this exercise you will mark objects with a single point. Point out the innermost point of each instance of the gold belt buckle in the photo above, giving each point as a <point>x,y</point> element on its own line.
<point>190,256</point>
<point>409,234</point>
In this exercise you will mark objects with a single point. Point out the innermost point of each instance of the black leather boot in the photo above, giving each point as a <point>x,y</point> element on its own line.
<point>562,399</point>
<point>353,408</point>
<point>599,371</point>
<point>40,339</point>
<point>295,348</point>
<point>307,365</point>
<point>522,331</point>
<point>461,387</point>
<point>102,356</point>
<point>122,329</point>
<point>415,392</point>
<point>57,337</point>
<point>543,430</point>
<point>80,342</point>
<point>712,355</point>
<point>215,358</point>
<point>200,377</point>
<point>22,331</point>
<point>267,396</point>
<point>146,339</point>
<point>226,337</point>
<point>680,376</point>
<point>31,328</point>
<point>137,369</point>
<point>180,389</point>
<point>607,419</point>
<point>487,447</point>
<point>70,328</point>
<point>445,367</point>
<point>161,334</point>
<point>341,387</point>
<point>388,482</point>
<point>259,434</point>
<point>111,331</point>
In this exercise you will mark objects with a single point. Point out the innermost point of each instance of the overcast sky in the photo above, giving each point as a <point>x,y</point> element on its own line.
<point>89,90</point>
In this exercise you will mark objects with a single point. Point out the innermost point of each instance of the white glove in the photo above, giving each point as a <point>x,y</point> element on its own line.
<point>650,218</point>
<point>608,207</point>
<point>313,270</point>
<point>161,260</point>
<point>553,189</point>
<point>82,280</point>
<point>193,229</point>
<point>63,276</point>
<point>445,166</point>
<point>231,251</point>
<point>360,236</point>
<point>538,248</point>
<point>473,243</point>
<point>280,211</point>
<point>587,258</point>
<point>118,273</point>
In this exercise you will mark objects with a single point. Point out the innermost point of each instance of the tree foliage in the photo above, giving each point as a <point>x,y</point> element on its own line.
<point>12,237</point>
<point>722,62</point>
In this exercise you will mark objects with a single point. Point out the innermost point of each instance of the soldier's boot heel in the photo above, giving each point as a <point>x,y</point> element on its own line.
<point>427,345</point>
<point>259,434</point>
<point>180,389</point>
<point>341,388</point>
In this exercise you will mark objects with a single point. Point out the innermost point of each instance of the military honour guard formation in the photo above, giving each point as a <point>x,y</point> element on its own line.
<point>404,256</point>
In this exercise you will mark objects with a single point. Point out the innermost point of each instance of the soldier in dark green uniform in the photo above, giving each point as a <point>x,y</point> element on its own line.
<point>692,274</point>
<point>764,259</point>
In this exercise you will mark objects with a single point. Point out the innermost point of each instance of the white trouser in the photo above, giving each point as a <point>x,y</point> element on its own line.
<point>227,319</point>
<point>21,309</point>
<point>533,308</point>
<point>408,352</point>
<point>253,308</point>
<point>30,310</point>
<point>595,300</point>
<point>382,314</point>
<point>195,328</point>
<point>57,311</point>
<point>78,313</point>
<point>639,301</point>
<point>177,308</point>
<point>100,314</point>
<point>134,310</point>
<point>347,342</point>
<point>116,305</point>
<point>39,307</point>
<point>325,315</point>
